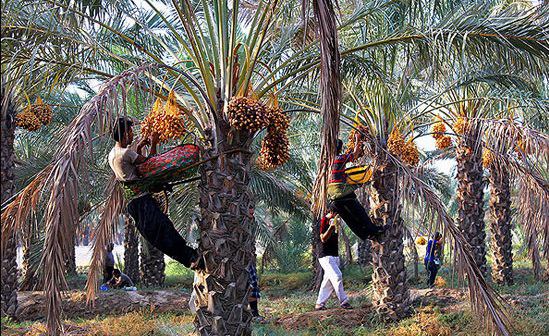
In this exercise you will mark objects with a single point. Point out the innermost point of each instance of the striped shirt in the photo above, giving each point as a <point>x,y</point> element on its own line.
<point>338,168</point>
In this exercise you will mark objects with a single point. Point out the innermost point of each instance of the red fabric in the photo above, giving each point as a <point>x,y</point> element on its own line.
<point>324,224</point>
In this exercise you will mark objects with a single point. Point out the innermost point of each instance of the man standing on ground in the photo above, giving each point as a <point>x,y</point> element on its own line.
<point>329,260</point>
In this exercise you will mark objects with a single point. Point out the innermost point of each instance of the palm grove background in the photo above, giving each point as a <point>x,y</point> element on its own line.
<point>481,67</point>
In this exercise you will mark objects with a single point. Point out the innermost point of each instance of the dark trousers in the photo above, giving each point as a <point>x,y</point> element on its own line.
<point>155,226</point>
<point>107,273</point>
<point>432,270</point>
<point>354,214</point>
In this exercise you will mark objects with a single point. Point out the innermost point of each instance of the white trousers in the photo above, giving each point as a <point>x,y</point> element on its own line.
<point>333,280</point>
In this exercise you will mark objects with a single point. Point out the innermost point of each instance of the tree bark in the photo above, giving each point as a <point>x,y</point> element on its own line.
<point>347,244</point>
<point>226,242</point>
<point>8,293</point>
<point>470,196</point>
<point>318,272</point>
<point>364,253</point>
<point>391,296</point>
<point>364,256</point>
<point>131,250</point>
<point>152,265</point>
<point>500,209</point>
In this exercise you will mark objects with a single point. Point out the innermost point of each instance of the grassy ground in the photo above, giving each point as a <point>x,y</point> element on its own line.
<point>288,308</point>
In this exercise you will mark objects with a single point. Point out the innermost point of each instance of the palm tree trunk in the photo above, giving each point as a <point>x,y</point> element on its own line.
<point>131,250</point>
<point>391,296</point>
<point>364,253</point>
<point>318,272</point>
<point>413,252</point>
<point>152,265</point>
<point>364,256</point>
<point>8,293</point>
<point>533,253</point>
<point>226,242</point>
<point>470,197</point>
<point>348,251</point>
<point>500,208</point>
<point>70,258</point>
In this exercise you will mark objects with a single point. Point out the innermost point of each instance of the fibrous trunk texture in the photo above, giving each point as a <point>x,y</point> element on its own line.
<point>364,255</point>
<point>364,251</point>
<point>348,252</point>
<point>8,293</point>
<point>500,226</point>
<point>226,243</point>
<point>152,266</point>
<point>391,296</point>
<point>470,197</point>
<point>131,250</point>
<point>315,246</point>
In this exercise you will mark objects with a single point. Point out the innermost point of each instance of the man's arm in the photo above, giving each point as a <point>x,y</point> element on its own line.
<point>357,152</point>
<point>154,143</point>
<point>326,235</point>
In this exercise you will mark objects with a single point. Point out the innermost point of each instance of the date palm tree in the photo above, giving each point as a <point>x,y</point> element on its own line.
<point>8,293</point>
<point>131,250</point>
<point>210,53</point>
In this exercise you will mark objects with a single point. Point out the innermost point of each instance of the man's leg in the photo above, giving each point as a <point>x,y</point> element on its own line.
<point>336,278</point>
<point>354,214</point>
<point>158,229</point>
<point>326,285</point>
<point>430,273</point>
<point>433,274</point>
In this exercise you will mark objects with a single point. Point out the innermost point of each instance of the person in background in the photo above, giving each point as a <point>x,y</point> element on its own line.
<point>119,280</point>
<point>254,294</point>
<point>109,264</point>
<point>432,258</point>
<point>329,261</point>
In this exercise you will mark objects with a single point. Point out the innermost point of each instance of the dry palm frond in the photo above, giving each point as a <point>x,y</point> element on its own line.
<point>61,178</point>
<point>330,90</point>
<point>14,216</point>
<point>104,234</point>
<point>526,140</point>
<point>534,211</point>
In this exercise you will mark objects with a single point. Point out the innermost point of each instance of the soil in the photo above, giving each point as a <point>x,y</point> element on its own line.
<point>116,302</point>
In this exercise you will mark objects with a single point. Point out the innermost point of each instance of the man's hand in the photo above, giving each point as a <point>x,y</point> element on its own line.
<point>155,137</point>
<point>144,142</point>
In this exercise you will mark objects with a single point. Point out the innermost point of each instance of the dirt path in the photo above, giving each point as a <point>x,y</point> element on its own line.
<point>32,304</point>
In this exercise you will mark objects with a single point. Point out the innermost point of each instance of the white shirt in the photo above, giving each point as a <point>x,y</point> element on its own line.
<point>122,161</point>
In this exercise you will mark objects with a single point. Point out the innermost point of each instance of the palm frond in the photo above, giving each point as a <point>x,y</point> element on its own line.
<point>104,234</point>
<point>330,93</point>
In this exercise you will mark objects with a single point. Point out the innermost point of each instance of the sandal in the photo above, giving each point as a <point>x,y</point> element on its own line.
<point>346,305</point>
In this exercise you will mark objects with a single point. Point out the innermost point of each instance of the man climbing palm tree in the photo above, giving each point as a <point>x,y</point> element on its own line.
<point>150,220</point>
<point>343,198</point>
